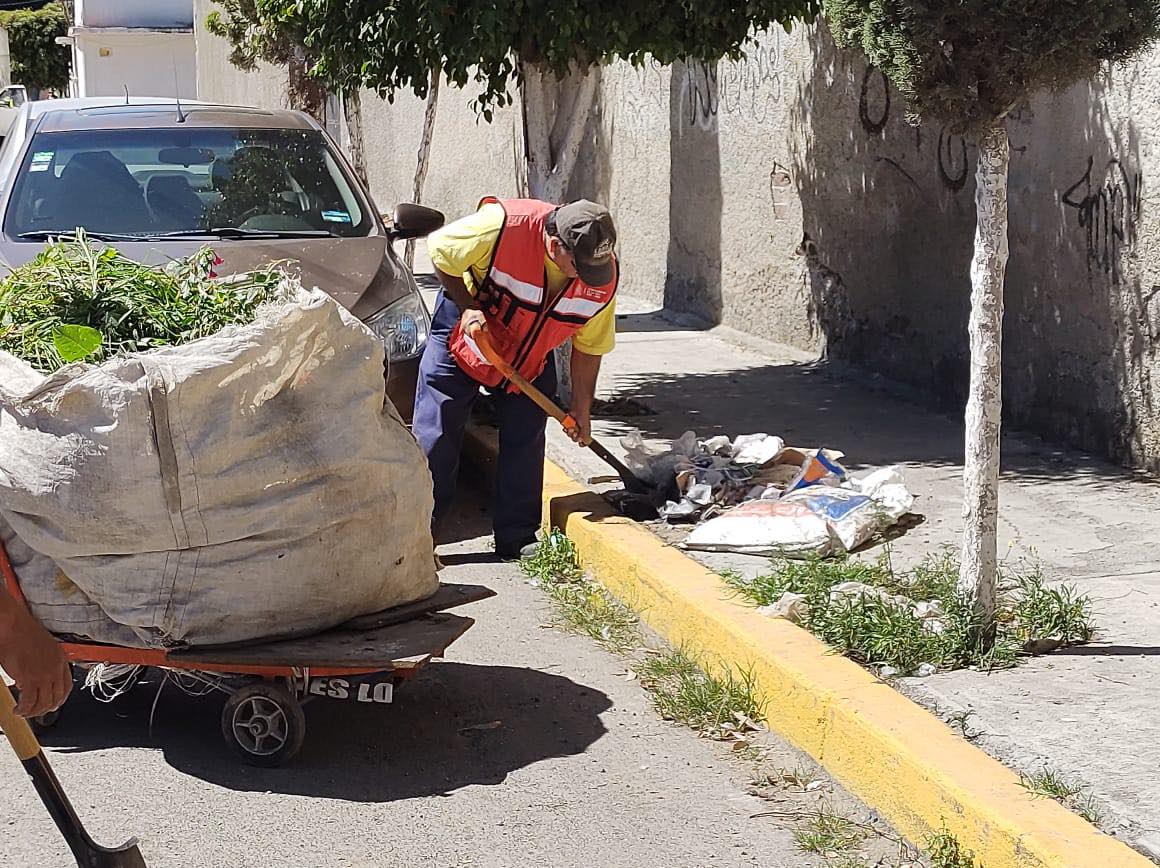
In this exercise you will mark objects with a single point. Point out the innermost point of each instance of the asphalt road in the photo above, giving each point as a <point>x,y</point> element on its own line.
<point>527,746</point>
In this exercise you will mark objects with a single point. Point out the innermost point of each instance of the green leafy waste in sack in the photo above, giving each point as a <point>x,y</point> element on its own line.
<point>78,301</point>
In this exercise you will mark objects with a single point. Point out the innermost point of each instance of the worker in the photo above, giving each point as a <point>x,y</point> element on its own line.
<point>33,659</point>
<point>534,275</point>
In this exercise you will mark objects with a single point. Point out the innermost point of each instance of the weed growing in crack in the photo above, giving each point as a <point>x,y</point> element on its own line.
<point>827,834</point>
<point>944,851</point>
<point>1049,783</point>
<point>709,703</point>
<point>583,606</point>
<point>713,704</point>
<point>1052,784</point>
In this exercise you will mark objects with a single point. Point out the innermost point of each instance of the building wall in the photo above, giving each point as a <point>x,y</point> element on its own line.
<point>134,13</point>
<point>148,63</point>
<point>785,195</point>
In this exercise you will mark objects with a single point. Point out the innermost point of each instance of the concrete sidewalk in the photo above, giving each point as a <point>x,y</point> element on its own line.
<point>1086,712</point>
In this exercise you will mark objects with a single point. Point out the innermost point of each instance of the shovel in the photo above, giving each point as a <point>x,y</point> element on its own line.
<point>639,500</point>
<point>88,853</point>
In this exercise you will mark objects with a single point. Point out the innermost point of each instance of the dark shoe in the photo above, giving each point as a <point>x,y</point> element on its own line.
<point>517,551</point>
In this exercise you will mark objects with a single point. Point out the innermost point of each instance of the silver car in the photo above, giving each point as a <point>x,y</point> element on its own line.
<point>158,180</point>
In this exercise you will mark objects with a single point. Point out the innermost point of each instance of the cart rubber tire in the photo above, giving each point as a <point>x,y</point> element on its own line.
<point>264,724</point>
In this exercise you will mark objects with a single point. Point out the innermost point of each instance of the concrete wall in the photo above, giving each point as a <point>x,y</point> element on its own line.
<point>785,195</point>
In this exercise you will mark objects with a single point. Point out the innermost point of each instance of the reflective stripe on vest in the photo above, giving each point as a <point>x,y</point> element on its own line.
<point>513,295</point>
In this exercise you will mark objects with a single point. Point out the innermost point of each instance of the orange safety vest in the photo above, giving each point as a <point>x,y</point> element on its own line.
<point>523,326</point>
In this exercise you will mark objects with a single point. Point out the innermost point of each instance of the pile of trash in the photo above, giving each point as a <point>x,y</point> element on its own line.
<point>756,495</point>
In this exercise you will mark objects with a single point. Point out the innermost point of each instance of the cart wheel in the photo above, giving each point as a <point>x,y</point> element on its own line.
<point>45,721</point>
<point>264,724</point>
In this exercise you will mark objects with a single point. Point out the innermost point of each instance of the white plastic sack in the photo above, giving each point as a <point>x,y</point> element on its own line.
<point>764,527</point>
<point>247,485</point>
<point>851,516</point>
<point>888,489</point>
<point>859,509</point>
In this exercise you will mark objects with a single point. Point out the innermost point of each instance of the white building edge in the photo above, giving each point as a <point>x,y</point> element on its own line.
<point>138,47</point>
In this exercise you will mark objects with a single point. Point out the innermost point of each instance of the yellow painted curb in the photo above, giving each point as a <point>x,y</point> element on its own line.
<point>893,754</point>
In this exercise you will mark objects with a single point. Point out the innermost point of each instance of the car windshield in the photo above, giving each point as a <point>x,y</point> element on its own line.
<point>148,182</point>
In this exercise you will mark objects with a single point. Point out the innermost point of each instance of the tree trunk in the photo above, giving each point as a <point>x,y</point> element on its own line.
<point>556,113</point>
<point>977,575</point>
<point>352,108</point>
<point>304,93</point>
<point>423,160</point>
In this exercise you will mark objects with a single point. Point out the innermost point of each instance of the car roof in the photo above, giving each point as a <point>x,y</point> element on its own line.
<point>113,113</point>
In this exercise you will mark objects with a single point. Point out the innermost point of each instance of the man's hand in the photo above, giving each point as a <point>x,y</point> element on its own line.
<point>582,433</point>
<point>469,318</point>
<point>35,661</point>
<point>585,369</point>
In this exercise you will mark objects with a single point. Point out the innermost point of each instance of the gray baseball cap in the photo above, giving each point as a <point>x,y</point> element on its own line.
<point>587,231</point>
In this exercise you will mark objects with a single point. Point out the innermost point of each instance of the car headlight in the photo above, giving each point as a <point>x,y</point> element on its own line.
<point>402,326</point>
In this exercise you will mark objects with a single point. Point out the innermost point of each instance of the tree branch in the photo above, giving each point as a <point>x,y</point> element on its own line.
<point>423,159</point>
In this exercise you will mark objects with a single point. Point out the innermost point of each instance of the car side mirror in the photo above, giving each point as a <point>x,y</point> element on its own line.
<point>414,221</point>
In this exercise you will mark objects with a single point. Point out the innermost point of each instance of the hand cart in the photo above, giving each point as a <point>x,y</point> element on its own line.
<point>267,683</point>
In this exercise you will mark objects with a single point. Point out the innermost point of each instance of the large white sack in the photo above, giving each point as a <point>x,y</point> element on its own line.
<point>254,483</point>
<point>764,527</point>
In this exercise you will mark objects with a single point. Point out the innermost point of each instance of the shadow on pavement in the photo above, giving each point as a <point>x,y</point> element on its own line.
<point>812,404</point>
<point>1109,651</point>
<point>440,734</point>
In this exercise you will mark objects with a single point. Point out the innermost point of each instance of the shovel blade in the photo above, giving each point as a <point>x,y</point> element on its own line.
<point>638,507</point>
<point>125,856</point>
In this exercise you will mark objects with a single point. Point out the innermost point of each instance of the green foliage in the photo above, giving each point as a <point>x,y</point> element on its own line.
<point>388,46</point>
<point>971,62</point>
<point>253,33</point>
<point>37,61</point>
<point>79,301</point>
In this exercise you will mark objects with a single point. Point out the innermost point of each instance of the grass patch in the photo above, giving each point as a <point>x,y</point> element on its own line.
<point>1052,784</point>
<point>944,851</point>
<point>708,703</point>
<point>583,606</point>
<point>905,619</point>
<point>827,834</point>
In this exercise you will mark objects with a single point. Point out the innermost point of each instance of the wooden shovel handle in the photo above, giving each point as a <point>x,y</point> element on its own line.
<point>478,334</point>
<point>16,727</point>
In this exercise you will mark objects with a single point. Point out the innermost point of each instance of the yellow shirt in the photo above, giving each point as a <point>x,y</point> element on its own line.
<point>464,248</point>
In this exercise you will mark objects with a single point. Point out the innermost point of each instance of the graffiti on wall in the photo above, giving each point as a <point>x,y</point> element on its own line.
<point>874,108</point>
<point>636,96</point>
<point>700,96</point>
<point>1107,207</point>
<point>748,89</point>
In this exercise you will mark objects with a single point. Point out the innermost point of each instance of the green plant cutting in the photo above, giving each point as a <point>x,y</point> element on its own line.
<point>78,301</point>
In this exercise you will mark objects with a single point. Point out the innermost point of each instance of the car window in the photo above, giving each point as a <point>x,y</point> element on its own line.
<point>143,182</point>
